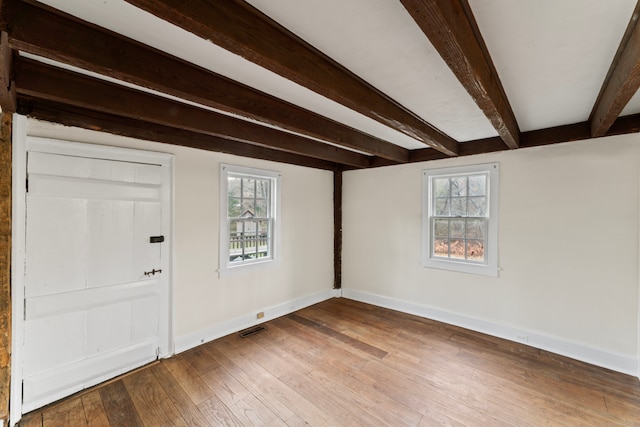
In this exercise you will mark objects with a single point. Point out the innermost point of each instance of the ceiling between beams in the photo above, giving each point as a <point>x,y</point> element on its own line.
<point>331,84</point>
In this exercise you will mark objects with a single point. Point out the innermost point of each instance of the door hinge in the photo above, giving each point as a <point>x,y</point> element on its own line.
<point>27,184</point>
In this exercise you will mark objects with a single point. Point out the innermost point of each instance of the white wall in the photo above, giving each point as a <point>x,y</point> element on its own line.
<point>569,221</point>
<point>568,249</point>
<point>207,307</point>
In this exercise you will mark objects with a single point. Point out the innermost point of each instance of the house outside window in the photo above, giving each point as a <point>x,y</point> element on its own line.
<point>248,211</point>
<point>460,219</point>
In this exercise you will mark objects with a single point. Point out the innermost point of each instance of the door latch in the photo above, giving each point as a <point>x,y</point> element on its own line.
<point>152,272</point>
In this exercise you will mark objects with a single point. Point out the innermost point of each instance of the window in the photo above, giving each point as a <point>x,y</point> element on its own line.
<point>248,212</point>
<point>460,219</point>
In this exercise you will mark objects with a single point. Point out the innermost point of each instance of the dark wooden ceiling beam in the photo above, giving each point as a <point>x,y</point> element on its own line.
<point>453,31</point>
<point>54,84</point>
<point>94,120</point>
<point>535,138</point>
<point>42,31</point>
<point>624,125</point>
<point>7,86</point>
<point>622,81</point>
<point>240,28</point>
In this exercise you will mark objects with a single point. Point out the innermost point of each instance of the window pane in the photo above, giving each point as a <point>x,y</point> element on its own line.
<point>458,186</point>
<point>250,245</point>
<point>233,207</point>
<point>459,207</point>
<point>263,239</point>
<point>442,207</point>
<point>441,186</point>
<point>235,241</point>
<point>261,208</point>
<point>263,227</point>
<point>475,250</point>
<point>262,188</point>
<point>457,249</point>
<point>250,227</point>
<point>475,229</point>
<point>248,187</point>
<point>477,206</point>
<point>248,208</point>
<point>441,228</point>
<point>244,249</point>
<point>235,227</point>
<point>441,247</point>
<point>234,186</point>
<point>477,185</point>
<point>457,228</point>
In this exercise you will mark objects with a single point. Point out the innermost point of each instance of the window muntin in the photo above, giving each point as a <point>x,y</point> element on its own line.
<point>460,218</point>
<point>248,216</point>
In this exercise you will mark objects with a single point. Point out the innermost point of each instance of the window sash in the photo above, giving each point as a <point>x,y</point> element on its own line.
<point>471,245</point>
<point>460,195</point>
<point>249,243</point>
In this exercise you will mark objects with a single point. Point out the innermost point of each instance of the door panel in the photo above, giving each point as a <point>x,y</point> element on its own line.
<point>145,310</point>
<point>90,311</point>
<point>110,243</point>
<point>60,269</point>
<point>110,326</point>
<point>51,385</point>
<point>57,349</point>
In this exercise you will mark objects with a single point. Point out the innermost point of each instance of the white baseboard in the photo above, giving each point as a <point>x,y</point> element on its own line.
<point>219,330</point>
<point>617,362</point>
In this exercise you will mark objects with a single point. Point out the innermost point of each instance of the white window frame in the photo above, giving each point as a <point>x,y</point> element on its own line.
<point>225,265</point>
<point>490,266</point>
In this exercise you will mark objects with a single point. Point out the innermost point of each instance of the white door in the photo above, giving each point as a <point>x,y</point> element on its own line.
<point>93,292</point>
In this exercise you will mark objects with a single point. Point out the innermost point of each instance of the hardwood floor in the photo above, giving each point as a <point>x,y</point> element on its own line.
<point>343,363</point>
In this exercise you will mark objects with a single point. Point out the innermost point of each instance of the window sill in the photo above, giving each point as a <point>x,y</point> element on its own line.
<point>234,270</point>
<point>462,267</point>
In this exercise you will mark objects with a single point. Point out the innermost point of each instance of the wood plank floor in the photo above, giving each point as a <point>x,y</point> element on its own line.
<point>344,363</point>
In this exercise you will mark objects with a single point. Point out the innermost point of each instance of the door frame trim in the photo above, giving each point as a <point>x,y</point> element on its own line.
<point>22,143</point>
<point>18,236</point>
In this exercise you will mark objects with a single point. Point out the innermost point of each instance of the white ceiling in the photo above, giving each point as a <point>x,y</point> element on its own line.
<point>380,42</point>
<point>551,55</point>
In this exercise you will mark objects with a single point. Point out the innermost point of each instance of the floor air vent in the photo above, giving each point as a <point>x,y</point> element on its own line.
<point>252,331</point>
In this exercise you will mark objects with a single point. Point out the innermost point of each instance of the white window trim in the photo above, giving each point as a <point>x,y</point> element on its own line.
<point>225,267</point>
<point>490,268</point>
